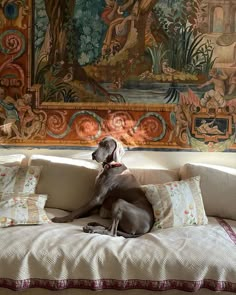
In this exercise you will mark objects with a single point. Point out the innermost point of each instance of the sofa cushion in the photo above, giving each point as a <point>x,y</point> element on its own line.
<point>177,203</point>
<point>218,186</point>
<point>68,183</point>
<point>22,208</point>
<point>149,176</point>
<point>59,256</point>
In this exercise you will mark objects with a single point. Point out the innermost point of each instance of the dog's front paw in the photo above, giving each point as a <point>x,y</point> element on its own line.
<point>63,219</point>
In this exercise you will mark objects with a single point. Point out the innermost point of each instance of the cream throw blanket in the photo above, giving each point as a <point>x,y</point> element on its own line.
<point>58,256</point>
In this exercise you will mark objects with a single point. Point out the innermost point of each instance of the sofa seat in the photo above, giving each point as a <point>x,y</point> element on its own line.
<point>60,256</point>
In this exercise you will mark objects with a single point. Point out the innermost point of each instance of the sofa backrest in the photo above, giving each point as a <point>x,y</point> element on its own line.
<point>155,176</point>
<point>12,160</point>
<point>69,183</point>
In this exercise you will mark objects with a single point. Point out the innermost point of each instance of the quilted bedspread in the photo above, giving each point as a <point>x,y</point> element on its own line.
<point>60,256</point>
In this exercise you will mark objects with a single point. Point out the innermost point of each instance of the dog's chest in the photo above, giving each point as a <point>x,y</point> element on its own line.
<point>115,181</point>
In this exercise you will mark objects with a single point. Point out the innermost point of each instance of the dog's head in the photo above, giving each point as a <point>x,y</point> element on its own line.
<point>109,150</point>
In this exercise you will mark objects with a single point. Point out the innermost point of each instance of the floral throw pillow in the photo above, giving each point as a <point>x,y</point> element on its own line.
<point>27,179</point>
<point>7,178</point>
<point>177,203</point>
<point>19,179</point>
<point>22,208</point>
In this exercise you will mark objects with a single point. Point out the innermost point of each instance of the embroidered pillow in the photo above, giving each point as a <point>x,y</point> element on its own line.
<point>19,179</point>
<point>27,179</point>
<point>7,178</point>
<point>22,208</point>
<point>177,203</point>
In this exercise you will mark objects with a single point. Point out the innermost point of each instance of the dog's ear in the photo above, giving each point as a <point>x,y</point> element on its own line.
<point>119,152</point>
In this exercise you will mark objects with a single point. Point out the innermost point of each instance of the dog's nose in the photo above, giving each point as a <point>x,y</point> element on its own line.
<point>93,156</point>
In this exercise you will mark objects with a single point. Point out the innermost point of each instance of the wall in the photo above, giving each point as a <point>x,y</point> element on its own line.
<point>160,75</point>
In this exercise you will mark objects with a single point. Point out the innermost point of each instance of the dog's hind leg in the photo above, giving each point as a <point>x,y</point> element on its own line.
<point>117,213</point>
<point>96,228</point>
<point>130,219</point>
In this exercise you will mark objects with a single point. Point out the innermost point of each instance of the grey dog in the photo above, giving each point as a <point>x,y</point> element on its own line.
<point>118,194</point>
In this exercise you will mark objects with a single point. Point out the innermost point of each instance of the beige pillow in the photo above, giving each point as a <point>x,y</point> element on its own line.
<point>68,183</point>
<point>218,186</point>
<point>148,176</point>
<point>22,208</point>
<point>177,203</point>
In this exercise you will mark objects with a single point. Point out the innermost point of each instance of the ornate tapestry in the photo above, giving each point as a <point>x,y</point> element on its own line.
<point>155,74</point>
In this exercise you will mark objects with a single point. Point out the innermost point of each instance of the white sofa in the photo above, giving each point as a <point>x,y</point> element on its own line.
<point>40,259</point>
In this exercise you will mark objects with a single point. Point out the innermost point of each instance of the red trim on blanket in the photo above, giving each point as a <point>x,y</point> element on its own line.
<point>96,285</point>
<point>227,228</point>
